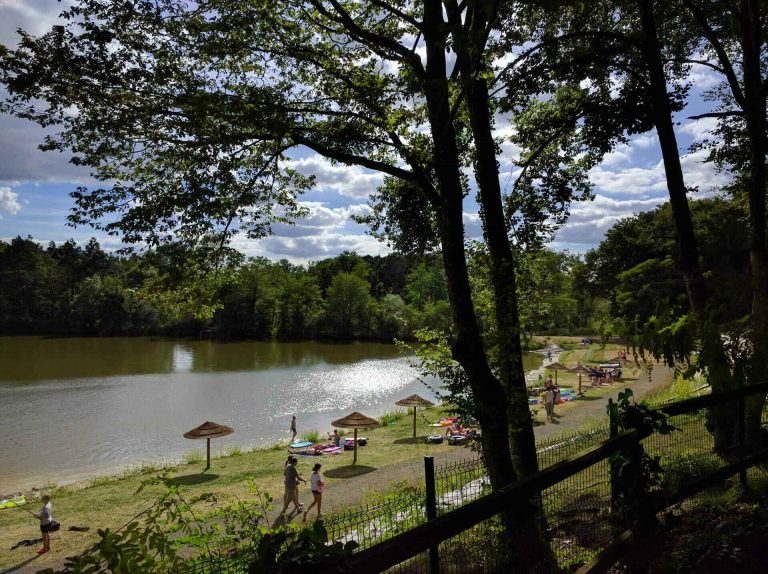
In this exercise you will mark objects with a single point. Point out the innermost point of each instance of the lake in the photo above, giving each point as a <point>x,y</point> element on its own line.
<point>71,408</point>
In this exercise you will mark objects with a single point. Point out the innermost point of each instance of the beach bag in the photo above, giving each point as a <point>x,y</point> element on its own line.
<point>54,526</point>
<point>320,486</point>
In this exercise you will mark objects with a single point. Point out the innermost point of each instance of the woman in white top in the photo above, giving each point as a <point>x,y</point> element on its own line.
<point>318,486</point>
<point>46,519</point>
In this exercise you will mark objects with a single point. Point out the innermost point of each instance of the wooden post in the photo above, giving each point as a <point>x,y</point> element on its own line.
<point>354,457</point>
<point>431,504</point>
<point>414,422</point>
<point>208,451</point>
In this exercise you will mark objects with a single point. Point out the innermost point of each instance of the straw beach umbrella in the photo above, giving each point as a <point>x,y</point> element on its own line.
<point>355,421</point>
<point>414,401</point>
<point>208,430</point>
<point>556,367</point>
<point>580,370</point>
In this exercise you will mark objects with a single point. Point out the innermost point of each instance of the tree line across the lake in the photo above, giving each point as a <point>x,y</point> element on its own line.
<point>76,289</point>
<point>73,289</point>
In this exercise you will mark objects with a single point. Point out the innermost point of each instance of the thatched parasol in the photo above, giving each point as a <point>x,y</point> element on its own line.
<point>414,401</point>
<point>556,367</point>
<point>208,430</point>
<point>580,370</point>
<point>356,421</point>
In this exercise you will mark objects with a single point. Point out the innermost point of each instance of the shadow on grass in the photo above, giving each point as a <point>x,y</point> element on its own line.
<point>590,398</point>
<point>350,471</point>
<point>410,440</point>
<point>189,479</point>
<point>19,566</point>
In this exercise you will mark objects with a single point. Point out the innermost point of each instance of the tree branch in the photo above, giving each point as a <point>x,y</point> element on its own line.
<point>730,113</point>
<point>722,55</point>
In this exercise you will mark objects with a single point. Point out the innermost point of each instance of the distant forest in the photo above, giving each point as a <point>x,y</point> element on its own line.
<point>69,289</point>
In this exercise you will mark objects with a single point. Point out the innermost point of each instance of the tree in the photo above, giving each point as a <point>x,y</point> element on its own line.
<point>348,306</point>
<point>196,108</point>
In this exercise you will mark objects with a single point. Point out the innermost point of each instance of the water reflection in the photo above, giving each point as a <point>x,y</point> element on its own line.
<point>70,408</point>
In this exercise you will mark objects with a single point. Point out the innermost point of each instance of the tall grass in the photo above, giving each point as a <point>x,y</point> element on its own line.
<point>391,417</point>
<point>311,436</point>
<point>193,457</point>
<point>234,451</point>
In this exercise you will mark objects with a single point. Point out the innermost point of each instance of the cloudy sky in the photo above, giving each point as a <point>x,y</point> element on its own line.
<point>35,186</point>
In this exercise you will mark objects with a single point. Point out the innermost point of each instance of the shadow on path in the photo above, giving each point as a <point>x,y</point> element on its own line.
<point>410,440</point>
<point>350,471</point>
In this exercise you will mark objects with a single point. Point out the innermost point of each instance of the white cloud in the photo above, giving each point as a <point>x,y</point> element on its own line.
<point>699,129</point>
<point>647,181</point>
<point>349,180</point>
<point>9,201</point>
<point>34,16</point>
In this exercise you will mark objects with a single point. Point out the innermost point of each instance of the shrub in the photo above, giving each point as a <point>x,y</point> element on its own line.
<point>311,436</point>
<point>391,417</point>
<point>194,457</point>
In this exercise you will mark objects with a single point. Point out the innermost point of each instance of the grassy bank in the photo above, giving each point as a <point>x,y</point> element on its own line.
<point>111,501</point>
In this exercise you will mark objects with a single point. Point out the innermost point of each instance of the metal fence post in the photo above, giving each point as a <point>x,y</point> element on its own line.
<point>613,430</point>
<point>741,429</point>
<point>429,477</point>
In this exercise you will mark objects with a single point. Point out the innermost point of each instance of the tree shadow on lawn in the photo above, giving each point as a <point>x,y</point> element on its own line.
<point>590,398</point>
<point>19,566</point>
<point>350,471</point>
<point>410,440</point>
<point>190,479</point>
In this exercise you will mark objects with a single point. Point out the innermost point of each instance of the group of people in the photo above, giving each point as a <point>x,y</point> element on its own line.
<point>292,479</point>
<point>600,376</point>
<point>550,397</point>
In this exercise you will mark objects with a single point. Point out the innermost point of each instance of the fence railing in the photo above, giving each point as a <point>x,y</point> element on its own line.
<point>451,522</point>
<point>576,495</point>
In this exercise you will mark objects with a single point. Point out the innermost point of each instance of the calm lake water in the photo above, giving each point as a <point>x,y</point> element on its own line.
<point>73,408</point>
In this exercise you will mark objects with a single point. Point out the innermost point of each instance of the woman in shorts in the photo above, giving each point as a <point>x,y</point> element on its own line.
<point>318,486</point>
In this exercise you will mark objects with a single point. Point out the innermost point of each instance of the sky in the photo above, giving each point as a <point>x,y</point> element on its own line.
<point>35,185</point>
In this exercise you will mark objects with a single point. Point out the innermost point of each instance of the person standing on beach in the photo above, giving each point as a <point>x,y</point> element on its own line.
<point>293,429</point>
<point>46,521</point>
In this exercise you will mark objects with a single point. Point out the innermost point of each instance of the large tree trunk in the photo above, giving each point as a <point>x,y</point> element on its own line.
<point>536,553</point>
<point>750,24</point>
<point>468,350</point>
<point>712,355</point>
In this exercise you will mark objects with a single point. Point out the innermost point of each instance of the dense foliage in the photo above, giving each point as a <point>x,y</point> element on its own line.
<point>70,289</point>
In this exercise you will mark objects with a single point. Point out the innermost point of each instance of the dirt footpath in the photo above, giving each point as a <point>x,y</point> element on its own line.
<point>341,492</point>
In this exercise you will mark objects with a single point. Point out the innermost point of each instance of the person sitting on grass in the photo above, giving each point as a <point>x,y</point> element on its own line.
<point>335,437</point>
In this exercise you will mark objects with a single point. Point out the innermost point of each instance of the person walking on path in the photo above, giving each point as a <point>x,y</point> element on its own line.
<point>46,522</point>
<point>549,402</point>
<point>318,486</point>
<point>293,429</point>
<point>291,479</point>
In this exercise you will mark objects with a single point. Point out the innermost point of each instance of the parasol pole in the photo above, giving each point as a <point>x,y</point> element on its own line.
<point>414,421</point>
<point>354,458</point>
<point>208,453</point>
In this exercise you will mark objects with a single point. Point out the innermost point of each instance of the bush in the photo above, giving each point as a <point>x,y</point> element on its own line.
<point>391,417</point>
<point>311,436</point>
